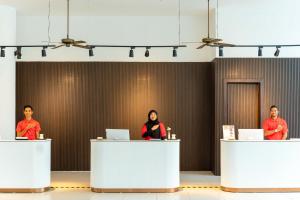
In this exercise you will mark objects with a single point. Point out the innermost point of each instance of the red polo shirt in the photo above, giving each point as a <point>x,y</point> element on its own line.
<point>271,124</point>
<point>30,133</point>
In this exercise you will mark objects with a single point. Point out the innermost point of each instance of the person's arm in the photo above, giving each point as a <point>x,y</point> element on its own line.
<point>20,132</point>
<point>267,133</point>
<point>285,131</point>
<point>162,131</point>
<point>38,130</point>
<point>146,133</point>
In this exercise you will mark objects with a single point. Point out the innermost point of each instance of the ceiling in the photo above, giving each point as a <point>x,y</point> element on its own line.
<point>108,7</point>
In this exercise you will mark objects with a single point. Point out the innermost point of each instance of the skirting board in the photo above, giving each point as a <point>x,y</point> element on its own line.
<point>259,190</point>
<point>24,190</point>
<point>134,190</point>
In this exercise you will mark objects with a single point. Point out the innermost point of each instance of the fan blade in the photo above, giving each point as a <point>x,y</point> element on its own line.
<point>203,45</point>
<point>227,45</point>
<point>219,44</point>
<point>58,46</point>
<point>79,42</point>
<point>81,46</point>
<point>51,42</point>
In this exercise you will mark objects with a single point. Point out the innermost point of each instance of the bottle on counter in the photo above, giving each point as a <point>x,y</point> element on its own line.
<point>169,133</point>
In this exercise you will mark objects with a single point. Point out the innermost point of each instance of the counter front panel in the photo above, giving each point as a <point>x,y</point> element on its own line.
<point>134,166</point>
<point>25,166</point>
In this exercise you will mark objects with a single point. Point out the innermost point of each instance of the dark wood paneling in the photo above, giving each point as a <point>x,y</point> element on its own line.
<point>243,105</point>
<point>76,101</point>
<point>281,78</point>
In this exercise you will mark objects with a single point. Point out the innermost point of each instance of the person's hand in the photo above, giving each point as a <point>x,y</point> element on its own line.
<point>279,128</point>
<point>155,127</point>
<point>29,126</point>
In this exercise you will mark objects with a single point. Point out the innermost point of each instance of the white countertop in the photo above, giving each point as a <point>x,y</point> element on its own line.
<point>148,141</point>
<point>260,140</point>
<point>260,165</point>
<point>25,164</point>
<point>46,140</point>
<point>135,164</point>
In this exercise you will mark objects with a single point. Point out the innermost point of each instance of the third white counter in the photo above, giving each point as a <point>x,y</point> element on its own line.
<point>260,166</point>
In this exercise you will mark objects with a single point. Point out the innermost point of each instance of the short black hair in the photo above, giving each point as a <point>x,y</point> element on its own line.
<point>28,106</point>
<point>273,106</point>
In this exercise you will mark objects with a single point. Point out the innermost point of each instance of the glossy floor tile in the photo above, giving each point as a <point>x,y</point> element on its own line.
<point>63,182</point>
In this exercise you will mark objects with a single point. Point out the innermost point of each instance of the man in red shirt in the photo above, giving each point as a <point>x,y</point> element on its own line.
<point>275,128</point>
<point>28,127</point>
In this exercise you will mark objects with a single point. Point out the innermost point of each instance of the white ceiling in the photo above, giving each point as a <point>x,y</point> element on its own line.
<point>108,7</point>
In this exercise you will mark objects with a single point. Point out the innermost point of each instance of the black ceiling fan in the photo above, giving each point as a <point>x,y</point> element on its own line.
<point>67,42</point>
<point>212,42</point>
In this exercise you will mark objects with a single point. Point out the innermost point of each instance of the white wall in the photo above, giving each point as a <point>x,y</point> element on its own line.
<point>7,73</point>
<point>259,22</point>
<point>116,30</point>
<point>239,22</point>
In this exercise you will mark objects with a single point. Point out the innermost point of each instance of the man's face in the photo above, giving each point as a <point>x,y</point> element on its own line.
<point>28,112</point>
<point>274,112</point>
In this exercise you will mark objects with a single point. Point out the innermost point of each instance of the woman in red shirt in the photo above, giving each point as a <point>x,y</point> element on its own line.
<point>153,129</point>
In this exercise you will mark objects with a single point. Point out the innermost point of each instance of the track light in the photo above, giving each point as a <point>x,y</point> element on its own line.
<point>175,51</point>
<point>2,52</point>
<point>44,53</point>
<point>277,51</point>
<point>18,52</point>
<point>131,53</point>
<point>147,52</point>
<point>260,51</point>
<point>91,52</point>
<point>221,53</point>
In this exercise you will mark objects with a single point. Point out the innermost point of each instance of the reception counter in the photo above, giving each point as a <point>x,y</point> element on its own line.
<point>260,166</point>
<point>135,166</point>
<point>25,165</point>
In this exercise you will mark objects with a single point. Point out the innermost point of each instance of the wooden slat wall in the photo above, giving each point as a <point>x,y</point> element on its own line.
<point>281,78</point>
<point>243,105</point>
<point>76,101</point>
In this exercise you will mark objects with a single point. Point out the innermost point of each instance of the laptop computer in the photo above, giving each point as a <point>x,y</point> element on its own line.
<point>117,134</point>
<point>251,134</point>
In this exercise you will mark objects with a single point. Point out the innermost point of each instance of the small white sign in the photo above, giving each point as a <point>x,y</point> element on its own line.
<point>228,132</point>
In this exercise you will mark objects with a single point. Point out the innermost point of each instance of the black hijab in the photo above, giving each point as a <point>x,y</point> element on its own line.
<point>150,123</point>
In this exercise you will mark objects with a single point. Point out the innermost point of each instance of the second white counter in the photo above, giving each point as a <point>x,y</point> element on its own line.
<point>135,166</point>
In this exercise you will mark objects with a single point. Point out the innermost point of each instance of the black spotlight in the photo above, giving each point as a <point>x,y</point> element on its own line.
<point>277,51</point>
<point>91,52</point>
<point>131,53</point>
<point>147,52</point>
<point>18,52</point>
<point>260,51</point>
<point>2,52</point>
<point>174,51</point>
<point>44,53</point>
<point>221,53</point>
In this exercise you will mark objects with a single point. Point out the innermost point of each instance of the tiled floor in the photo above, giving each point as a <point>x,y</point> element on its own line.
<point>63,181</point>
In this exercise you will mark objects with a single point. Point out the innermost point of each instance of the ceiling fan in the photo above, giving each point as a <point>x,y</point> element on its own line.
<point>67,42</point>
<point>212,42</point>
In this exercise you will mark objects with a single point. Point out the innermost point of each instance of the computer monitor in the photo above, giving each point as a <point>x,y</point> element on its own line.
<point>251,134</point>
<point>117,134</point>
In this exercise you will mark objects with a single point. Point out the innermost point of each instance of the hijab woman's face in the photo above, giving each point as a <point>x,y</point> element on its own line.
<point>153,116</point>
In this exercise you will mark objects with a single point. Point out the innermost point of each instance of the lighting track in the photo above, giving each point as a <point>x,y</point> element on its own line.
<point>90,48</point>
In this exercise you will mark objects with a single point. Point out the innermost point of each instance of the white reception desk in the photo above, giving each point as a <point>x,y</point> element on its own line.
<point>25,165</point>
<point>135,166</point>
<point>260,166</point>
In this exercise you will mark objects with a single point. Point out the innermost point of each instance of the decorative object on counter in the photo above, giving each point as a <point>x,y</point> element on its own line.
<point>228,132</point>
<point>169,133</point>
<point>41,137</point>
